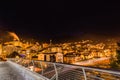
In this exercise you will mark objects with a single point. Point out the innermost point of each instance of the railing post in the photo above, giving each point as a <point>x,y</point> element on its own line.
<point>28,64</point>
<point>84,73</point>
<point>41,67</point>
<point>33,65</point>
<point>56,71</point>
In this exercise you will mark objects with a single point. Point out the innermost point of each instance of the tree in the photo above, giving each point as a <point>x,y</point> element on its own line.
<point>115,63</point>
<point>118,56</point>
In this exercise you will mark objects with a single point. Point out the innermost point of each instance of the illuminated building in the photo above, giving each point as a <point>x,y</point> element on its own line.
<point>71,57</point>
<point>52,56</point>
<point>0,49</point>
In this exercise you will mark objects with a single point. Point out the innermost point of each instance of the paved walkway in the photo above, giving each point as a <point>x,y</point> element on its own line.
<point>6,73</point>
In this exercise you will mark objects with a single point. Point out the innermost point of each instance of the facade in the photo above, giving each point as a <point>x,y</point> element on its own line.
<point>71,58</point>
<point>52,57</point>
<point>0,49</point>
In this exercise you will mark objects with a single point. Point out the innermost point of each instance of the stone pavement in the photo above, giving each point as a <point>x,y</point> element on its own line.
<point>6,73</point>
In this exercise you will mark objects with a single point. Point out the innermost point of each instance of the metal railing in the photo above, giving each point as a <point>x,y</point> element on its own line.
<point>58,71</point>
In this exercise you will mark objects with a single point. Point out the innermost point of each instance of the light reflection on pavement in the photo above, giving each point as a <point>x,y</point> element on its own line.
<point>6,73</point>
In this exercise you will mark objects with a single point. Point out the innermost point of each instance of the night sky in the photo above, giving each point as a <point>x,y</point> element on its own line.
<point>60,20</point>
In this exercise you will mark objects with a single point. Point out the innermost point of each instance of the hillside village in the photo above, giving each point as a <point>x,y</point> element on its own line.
<point>70,52</point>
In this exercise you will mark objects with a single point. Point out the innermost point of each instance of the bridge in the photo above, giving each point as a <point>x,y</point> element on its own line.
<point>22,69</point>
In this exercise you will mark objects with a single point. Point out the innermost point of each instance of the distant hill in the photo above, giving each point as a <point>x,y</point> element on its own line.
<point>88,36</point>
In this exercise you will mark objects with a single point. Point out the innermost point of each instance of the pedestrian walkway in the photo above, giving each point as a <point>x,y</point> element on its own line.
<point>6,73</point>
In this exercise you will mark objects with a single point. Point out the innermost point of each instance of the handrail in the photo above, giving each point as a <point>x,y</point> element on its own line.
<point>88,68</point>
<point>64,71</point>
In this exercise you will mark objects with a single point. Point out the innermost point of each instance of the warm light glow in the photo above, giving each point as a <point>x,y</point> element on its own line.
<point>14,35</point>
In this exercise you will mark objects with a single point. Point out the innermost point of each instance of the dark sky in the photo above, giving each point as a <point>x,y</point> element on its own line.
<point>60,19</point>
